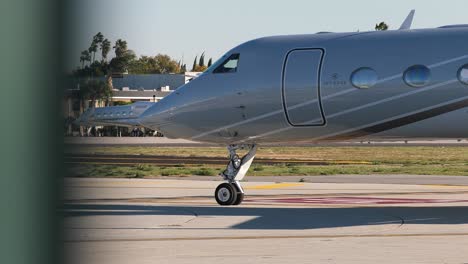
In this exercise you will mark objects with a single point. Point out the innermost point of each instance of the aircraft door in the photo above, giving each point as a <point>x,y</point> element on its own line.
<point>301,87</point>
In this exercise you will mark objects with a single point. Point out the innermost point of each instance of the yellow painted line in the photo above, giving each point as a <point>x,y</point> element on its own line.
<point>447,186</point>
<point>274,186</point>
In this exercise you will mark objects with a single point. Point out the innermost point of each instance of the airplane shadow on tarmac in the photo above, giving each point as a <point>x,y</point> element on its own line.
<point>288,218</point>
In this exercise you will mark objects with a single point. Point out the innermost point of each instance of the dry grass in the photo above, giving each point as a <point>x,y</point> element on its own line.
<point>432,160</point>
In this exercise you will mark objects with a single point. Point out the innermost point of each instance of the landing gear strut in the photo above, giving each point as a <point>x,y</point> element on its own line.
<point>231,193</point>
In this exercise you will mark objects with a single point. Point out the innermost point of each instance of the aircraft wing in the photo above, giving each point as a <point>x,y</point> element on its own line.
<point>126,115</point>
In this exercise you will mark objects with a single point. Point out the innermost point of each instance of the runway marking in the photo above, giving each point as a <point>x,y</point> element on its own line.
<point>262,237</point>
<point>447,186</point>
<point>273,186</point>
<point>354,200</point>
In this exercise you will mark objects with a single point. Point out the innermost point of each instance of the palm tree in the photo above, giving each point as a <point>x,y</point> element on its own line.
<point>92,49</point>
<point>97,39</point>
<point>82,59</point>
<point>381,27</point>
<point>120,63</point>
<point>105,48</point>
<point>120,47</point>
<point>85,56</point>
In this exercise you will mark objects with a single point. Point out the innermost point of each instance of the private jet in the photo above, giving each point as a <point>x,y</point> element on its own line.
<point>381,85</point>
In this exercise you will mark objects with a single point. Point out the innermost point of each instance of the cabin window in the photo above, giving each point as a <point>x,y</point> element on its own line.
<point>364,78</point>
<point>229,65</point>
<point>463,74</point>
<point>417,76</point>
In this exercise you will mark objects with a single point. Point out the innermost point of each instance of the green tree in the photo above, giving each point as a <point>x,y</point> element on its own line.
<point>382,26</point>
<point>97,39</point>
<point>201,63</point>
<point>158,64</point>
<point>122,60</point>
<point>120,48</point>
<point>85,57</point>
<point>92,89</point>
<point>123,57</point>
<point>210,62</point>
<point>92,50</point>
<point>105,49</point>
<point>194,67</point>
<point>164,64</point>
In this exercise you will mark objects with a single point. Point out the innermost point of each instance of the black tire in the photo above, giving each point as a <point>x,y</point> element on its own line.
<point>226,194</point>
<point>240,195</point>
<point>240,198</point>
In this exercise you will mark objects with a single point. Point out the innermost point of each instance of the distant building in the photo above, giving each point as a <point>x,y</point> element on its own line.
<point>161,82</point>
<point>138,96</point>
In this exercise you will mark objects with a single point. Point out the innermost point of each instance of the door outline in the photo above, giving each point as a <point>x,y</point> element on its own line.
<point>319,81</point>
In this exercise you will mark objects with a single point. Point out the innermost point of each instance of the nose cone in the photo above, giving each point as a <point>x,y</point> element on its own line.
<point>202,105</point>
<point>180,114</point>
<point>164,116</point>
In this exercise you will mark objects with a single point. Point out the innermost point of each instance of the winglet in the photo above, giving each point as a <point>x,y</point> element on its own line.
<point>408,21</point>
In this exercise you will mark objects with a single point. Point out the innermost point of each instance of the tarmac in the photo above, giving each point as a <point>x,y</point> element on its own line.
<point>349,219</point>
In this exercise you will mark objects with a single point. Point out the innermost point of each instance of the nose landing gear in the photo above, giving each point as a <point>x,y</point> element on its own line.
<point>231,193</point>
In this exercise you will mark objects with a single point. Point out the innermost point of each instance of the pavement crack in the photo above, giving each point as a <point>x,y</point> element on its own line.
<point>195,214</point>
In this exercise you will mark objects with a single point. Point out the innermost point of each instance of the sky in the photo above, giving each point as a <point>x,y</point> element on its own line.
<point>185,29</point>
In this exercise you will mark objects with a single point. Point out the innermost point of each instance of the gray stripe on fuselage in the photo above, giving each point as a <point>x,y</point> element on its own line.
<point>388,99</point>
<point>403,121</point>
<point>391,119</point>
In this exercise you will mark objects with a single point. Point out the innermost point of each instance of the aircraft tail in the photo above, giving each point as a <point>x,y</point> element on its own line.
<point>126,115</point>
<point>408,21</point>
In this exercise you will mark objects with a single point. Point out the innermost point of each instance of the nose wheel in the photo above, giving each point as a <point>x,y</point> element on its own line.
<point>231,193</point>
<point>228,194</point>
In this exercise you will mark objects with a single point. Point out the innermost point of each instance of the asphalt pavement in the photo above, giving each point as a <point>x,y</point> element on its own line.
<point>374,219</point>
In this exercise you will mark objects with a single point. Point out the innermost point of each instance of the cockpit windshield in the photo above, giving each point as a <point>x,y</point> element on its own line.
<point>229,65</point>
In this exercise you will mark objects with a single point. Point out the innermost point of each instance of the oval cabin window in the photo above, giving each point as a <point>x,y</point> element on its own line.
<point>417,76</point>
<point>463,74</point>
<point>364,78</point>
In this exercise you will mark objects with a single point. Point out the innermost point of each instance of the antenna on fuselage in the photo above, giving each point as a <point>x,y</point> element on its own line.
<point>408,21</point>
